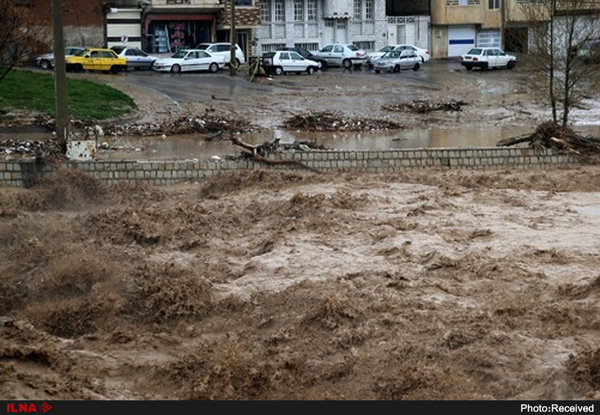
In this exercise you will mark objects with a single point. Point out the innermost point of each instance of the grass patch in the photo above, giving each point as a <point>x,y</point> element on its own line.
<point>26,90</point>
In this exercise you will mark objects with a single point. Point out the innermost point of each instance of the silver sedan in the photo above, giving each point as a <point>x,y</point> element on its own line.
<point>396,60</point>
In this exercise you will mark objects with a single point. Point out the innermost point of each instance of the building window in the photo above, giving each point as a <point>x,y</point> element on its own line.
<point>311,10</point>
<point>357,10</point>
<point>279,10</point>
<point>493,4</point>
<point>243,2</point>
<point>464,2</point>
<point>298,10</point>
<point>307,46</point>
<point>369,10</point>
<point>265,11</point>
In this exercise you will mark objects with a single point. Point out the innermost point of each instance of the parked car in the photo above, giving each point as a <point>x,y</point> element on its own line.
<point>46,61</point>
<point>339,54</point>
<point>487,58</point>
<point>283,61</point>
<point>373,56</point>
<point>306,54</point>
<point>136,58</point>
<point>423,53</point>
<point>190,60</point>
<point>397,60</point>
<point>96,59</point>
<point>223,50</point>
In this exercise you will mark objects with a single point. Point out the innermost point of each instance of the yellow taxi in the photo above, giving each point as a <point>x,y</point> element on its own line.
<point>96,59</point>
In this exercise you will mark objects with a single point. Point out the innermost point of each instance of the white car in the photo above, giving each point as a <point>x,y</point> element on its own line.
<point>373,56</point>
<point>339,54</point>
<point>46,61</point>
<point>283,61</point>
<point>487,58</point>
<point>189,60</point>
<point>223,50</point>
<point>397,60</point>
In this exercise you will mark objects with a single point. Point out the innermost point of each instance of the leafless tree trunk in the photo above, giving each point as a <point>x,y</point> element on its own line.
<point>559,29</point>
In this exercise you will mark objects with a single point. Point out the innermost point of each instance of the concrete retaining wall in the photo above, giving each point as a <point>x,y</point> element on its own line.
<point>26,172</point>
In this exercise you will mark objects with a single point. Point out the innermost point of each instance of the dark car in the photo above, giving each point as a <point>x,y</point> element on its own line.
<point>306,54</point>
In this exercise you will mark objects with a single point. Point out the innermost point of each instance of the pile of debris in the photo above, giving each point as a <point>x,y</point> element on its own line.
<point>559,138</point>
<point>203,124</point>
<point>335,121</point>
<point>423,107</point>
<point>48,151</point>
<point>209,124</point>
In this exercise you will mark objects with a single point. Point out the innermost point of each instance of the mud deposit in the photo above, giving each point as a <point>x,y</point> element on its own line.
<point>278,286</point>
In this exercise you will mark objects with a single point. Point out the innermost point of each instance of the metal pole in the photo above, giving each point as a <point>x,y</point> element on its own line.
<point>62,110</point>
<point>232,40</point>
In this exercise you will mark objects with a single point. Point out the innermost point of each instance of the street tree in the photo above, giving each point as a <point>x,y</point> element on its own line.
<point>559,31</point>
<point>20,37</point>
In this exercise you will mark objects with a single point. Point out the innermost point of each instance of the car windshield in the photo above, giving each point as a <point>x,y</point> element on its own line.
<point>118,49</point>
<point>391,54</point>
<point>386,49</point>
<point>202,47</point>
<point>180,55</point>
<point>475,51</point>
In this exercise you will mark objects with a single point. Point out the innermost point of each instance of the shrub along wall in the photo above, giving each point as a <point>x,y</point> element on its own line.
<point>26,172</point>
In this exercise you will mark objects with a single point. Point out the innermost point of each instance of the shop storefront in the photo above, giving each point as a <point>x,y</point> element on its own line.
<point>168,33</point>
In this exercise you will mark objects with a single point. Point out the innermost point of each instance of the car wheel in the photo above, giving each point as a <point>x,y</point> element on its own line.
<point>45,64</point>
<point>468,67</point>
<point>377,71</point>
<point>484,67</point>
<point>213,67</point>
<point>237,63</point>
<point>77,68</point>
<point>176,69</point>
<point>347,64</point>
<point>115,69</point>
<point>279,70</point>
<point>323,66</point>
<point>310,70</point>
<point>511,64</point>
<point>416,67</point>
<point>396,69</point>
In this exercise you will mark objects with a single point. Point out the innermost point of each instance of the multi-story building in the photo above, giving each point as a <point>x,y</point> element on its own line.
<point>408,22</point>
<point>311,24</point>
<point>458,25</point>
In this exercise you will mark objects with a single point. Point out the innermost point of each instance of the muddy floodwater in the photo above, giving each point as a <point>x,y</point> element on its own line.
<point>196,147</point>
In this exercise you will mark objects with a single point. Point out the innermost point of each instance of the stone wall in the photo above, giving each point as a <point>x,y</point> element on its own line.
<point>26,172</point>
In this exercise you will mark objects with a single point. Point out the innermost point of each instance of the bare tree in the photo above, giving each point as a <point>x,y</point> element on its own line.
<point>20,37</point>
<point>559,30</point>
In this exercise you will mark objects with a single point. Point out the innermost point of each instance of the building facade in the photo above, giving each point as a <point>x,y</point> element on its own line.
<point>459,25</point>
<point>408,22</point>
<point>166,26</point>
<point>311,24</point>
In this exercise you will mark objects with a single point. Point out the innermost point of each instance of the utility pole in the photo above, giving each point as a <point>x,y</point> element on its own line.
<point>232,40</point>
<point>62,110</point>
